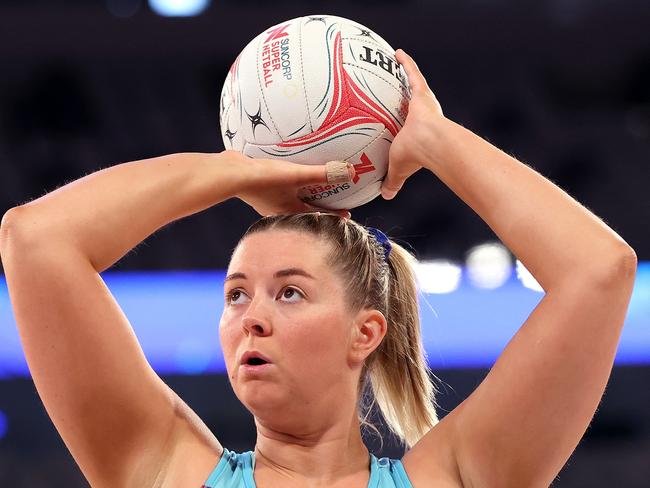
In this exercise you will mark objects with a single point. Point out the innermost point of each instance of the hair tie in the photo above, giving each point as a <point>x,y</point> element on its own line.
<point>382,239</point>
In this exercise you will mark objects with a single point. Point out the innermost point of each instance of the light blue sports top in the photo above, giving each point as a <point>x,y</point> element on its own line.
<point>236,471</point>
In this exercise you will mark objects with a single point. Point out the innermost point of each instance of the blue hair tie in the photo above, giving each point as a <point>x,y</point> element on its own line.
<point>383,240</point>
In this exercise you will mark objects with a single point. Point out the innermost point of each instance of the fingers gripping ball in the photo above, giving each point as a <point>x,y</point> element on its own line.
<point>316,89</point>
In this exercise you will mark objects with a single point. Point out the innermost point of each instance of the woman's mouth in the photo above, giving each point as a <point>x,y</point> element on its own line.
<point>258,368</point>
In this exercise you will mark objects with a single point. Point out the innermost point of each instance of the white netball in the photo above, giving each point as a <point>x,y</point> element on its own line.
<point>316,89</point>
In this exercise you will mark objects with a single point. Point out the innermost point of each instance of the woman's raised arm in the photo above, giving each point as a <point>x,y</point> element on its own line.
<point>116,416</point>
<point>522,423</point>
<point>107,213</point>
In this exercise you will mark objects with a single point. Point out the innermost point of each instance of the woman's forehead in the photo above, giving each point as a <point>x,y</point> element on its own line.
<point>280,248</point>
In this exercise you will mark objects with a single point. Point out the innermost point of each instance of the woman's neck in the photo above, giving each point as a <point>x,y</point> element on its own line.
<point>322,457</point>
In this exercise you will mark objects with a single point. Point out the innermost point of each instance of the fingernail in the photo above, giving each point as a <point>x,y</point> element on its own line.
<point>388,194</point>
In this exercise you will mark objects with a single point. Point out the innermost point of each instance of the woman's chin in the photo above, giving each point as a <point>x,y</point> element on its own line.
<point>263,399</point>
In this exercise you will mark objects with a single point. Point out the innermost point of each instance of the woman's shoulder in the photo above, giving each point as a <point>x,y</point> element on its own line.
<point>433,458</point>
<point>194,455</point>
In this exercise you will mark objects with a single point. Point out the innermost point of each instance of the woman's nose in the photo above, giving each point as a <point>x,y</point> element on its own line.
<point>255,326</point>
<point>255,320</point>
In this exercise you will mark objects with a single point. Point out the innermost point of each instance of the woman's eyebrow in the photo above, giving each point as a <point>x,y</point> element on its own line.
<point>278,274</point>
<point>292,272</point>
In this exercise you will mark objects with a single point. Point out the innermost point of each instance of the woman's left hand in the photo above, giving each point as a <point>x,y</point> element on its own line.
<point>410,149</point>
<point>271,186</point>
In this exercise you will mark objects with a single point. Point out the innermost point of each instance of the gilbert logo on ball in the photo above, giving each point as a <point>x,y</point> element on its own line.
<point>316,89</point>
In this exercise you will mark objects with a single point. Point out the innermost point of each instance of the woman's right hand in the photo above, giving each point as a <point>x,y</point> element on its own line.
<point>411,148</point>
<point>271,186</point>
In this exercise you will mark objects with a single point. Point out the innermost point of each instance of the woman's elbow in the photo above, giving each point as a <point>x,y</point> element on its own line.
<point>7,225</point>
<point>618,267</point>
<point>17,231</point>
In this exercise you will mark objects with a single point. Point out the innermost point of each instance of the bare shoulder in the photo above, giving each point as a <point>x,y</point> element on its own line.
<point>432,461</point>
<point>194,452</point>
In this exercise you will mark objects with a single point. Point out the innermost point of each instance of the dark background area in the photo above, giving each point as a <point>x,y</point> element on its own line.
<point>563,85</point>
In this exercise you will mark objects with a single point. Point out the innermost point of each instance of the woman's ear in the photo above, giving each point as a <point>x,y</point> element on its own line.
<point>368,331</point>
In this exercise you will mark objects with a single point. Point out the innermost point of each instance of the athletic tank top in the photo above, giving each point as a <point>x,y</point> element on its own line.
<point>236,471</point>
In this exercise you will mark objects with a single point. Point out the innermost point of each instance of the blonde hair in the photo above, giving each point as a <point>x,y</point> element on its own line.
<point>395,376</point>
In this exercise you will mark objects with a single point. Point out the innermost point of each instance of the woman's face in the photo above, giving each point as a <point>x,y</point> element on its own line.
<point>284,300</point>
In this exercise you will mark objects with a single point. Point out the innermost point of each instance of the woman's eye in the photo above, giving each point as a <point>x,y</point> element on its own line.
<point>234,297</point>
<point>291,295</point>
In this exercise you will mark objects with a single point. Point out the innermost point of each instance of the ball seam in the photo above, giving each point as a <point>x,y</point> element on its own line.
<point>302,73</point>
<point>378,76</point>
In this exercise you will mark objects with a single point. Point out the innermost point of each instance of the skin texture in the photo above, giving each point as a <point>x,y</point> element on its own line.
<point>305,405</point>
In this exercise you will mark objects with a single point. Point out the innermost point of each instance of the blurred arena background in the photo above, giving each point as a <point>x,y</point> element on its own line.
<point>564,85</point>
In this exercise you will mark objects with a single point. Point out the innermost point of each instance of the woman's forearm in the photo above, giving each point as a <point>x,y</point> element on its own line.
<point>107,213</point>
<point>554,236</point>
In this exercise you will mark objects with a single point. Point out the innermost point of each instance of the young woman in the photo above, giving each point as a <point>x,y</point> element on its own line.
<point>331,307</point>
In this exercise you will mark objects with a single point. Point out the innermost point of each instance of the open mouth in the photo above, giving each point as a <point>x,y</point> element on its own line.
<point>255,362</point>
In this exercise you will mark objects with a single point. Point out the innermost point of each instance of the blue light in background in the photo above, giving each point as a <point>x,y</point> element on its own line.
<point>4,424</point>
<point>179,8</point>
<point>194,356</point>
<point>175,316</point>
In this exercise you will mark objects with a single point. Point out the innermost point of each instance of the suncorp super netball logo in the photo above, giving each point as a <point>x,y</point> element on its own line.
<point>276,55</point>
